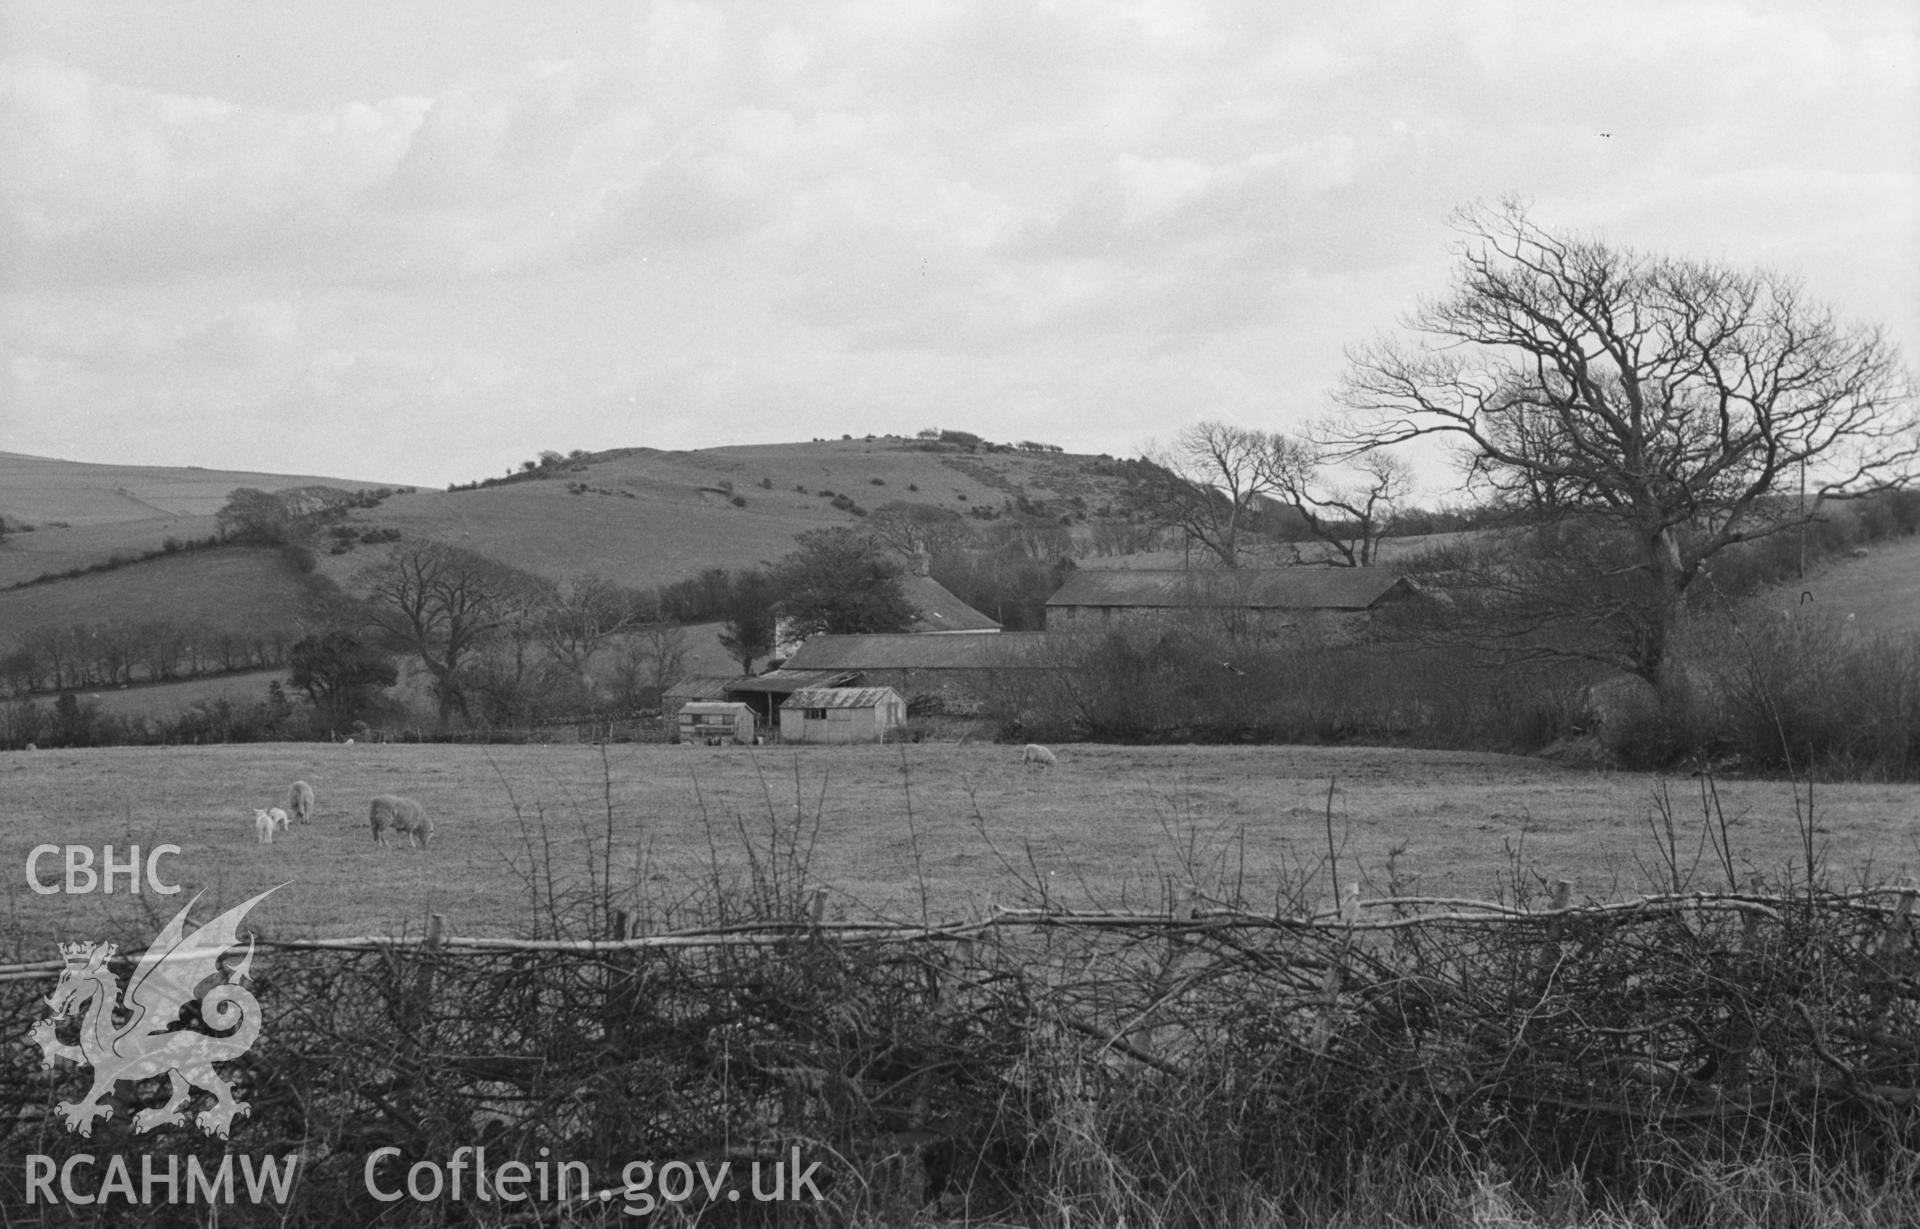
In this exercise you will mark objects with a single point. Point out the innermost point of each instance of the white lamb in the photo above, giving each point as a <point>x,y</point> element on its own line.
<point>403,815</point>
<point>1037,754</point>
<point>265,820</point>
<point>300,801</point>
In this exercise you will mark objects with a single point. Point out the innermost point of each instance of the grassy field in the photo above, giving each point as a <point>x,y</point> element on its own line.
<point>236,588</point>
<point>1881,589</point>
<point>963,823</point>
<point>83,514</point>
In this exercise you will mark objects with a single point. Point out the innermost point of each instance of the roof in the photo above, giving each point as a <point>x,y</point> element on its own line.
<point>940,610</point>
<point>782,682</point>
<point>843,697</point>
<point>913,651</point>
<point>698,687</point>
<point>1298,588</point>
<point>709,707</point>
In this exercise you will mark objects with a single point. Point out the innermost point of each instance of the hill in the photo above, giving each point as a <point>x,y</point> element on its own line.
<point>81,514</point>
<point>644,517</point>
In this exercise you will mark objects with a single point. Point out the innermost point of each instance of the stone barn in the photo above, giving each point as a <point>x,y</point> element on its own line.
<point>1319,605</point>
<point>842,715</point>
<point>715,723</point>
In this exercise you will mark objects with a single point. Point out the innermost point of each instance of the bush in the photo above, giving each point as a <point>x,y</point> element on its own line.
<point>1807,693</point>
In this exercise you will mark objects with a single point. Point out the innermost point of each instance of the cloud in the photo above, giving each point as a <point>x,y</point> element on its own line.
<point>111,183</point>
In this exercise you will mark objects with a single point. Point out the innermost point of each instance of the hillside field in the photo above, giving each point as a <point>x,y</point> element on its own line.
<point>236,589</point>
<point>83,513</point>
<point>967,823</point>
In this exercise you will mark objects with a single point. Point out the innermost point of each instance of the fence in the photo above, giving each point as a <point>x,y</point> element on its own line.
<point>984,1065</point>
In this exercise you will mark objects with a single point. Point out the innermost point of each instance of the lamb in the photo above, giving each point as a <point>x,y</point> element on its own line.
<point>265,820</point>
<point>1037,754</point>
<point>300,801</point>
<point>403,815</point>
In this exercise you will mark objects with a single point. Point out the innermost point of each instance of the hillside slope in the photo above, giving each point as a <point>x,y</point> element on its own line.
<point>644,517</point>
<point>82,514</point>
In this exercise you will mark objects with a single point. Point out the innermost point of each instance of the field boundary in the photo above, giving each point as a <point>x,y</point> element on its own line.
<point>1895,918</point>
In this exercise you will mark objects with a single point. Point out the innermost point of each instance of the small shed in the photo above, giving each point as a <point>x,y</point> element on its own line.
<point>715,722</point>
<point>841,715</point>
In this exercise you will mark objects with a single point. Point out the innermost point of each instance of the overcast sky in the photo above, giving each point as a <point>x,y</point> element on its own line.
<point>422,241</point>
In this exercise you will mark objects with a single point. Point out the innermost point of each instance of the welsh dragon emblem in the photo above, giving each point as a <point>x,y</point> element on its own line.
<point>144,1035</point>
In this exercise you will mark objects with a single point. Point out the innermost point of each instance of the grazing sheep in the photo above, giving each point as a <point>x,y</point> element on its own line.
<point>265,821</point>
<point>403,815</point>
<point>1037,754</point>
<point>346,742</point>
<point>300,801</point>
<point>31,747</point>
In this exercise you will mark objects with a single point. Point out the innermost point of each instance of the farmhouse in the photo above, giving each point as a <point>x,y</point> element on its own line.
<point>941,611</point>
<point>1320,604</point>
<point>841,715</point>
<point>715,722</point>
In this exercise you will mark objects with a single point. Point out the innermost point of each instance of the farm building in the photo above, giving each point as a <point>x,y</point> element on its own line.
<point>1322,604</point>
<point>841,715</point>
<point>940,610</point>
<point>714,722</point>
<point>764,693</point>
<point>934,673</point>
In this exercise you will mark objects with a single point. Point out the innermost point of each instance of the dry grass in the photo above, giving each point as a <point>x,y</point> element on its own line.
<point>951,828</point>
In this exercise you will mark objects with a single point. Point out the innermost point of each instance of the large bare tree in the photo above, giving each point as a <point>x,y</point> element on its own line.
<point>1673,406</point>
<point>443,602</point>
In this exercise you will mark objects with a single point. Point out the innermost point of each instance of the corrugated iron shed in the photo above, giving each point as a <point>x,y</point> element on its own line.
<point>841,697</point>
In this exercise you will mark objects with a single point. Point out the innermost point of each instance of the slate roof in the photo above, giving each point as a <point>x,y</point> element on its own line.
<point>697,687</point>
<point>940,610</point>
<point>1300,588</point>
<point>913,651</point>
<point>841,697</point>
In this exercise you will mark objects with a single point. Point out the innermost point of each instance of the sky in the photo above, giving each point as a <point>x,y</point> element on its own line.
<point>422,241</point>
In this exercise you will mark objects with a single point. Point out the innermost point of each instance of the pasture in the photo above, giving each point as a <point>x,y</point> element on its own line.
<point>241,589</point>
<point>886,830</point>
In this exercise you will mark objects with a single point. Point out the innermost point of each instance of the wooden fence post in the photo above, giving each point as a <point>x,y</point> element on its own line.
<point>1332,979</point>
<point>1898,936</point>
<point>1549,957</point>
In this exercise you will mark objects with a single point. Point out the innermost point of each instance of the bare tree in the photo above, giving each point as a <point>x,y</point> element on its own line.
<point>919,529</point>
<point>654,659</point>
<point>1210,483</point>
<point>1673,404</point>
<point>580,619</point>
<point>1351,520</point>
<point>442,602</point>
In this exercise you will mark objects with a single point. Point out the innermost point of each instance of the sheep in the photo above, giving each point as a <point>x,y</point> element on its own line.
<point>265,820</point>
<point>403,815</point>
<point>1037,754</point>
<point>346,742</point>
<point>300,801</point>
<point>31,747</point>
